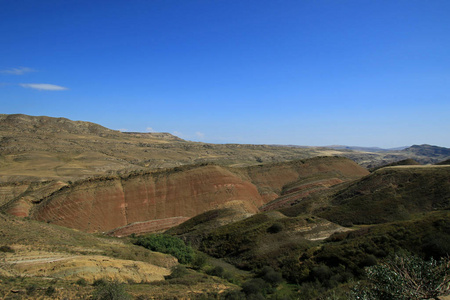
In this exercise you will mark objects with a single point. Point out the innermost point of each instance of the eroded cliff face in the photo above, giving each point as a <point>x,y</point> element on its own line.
<point>103,204</point>
<point>18,198</point>
<point>154,201</point>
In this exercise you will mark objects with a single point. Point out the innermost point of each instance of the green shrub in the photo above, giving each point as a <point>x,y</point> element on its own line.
<point>271,276</point>
<point>255,286</point>
<point>100,282</point>
<point>6,249</point>
<point>110,291</point>
<point>321,272</point>
<point>275,228</point>
<point>50,291</point>
<point>258,296</point>
<point>234,295</point>
<point>31,289</point>
<point>199,260</point>
<point>81,282</point>
<point>218,271</point>
<point>178,272</point>
<point>167,244</point>
<point>406,277</point>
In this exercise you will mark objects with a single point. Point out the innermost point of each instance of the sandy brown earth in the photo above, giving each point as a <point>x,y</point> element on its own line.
<point>74,267</point>
<point>35,249</point>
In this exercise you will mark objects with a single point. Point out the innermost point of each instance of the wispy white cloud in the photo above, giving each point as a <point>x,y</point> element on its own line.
<point>18,71</point>
<point>43,86</point>
<point>200,135</point>
<point>178,134</point>
<point>149,129</point>
<point>123,129</point>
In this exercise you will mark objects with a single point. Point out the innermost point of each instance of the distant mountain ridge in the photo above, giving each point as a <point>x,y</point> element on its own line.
<point>367,149</point>
<point>428,150</point>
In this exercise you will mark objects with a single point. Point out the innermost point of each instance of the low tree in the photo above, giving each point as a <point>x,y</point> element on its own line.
<point>110,291</point>
<point>406,277</point>
<point>166,244</point>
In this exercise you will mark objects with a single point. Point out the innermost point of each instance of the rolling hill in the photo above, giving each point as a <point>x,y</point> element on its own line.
<point>313,215</point>
<point>148,201</point>
<point>44,148</point>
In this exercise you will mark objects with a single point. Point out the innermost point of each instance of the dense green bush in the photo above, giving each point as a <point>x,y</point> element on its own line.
<point>269,275</point>
<point>50,291</point>
<point>255,286</point>
<point>199,260</point>
<point>178,271</point>
<point>167,244</point>
<point>110,291</point>
<point>81,282</point>
<point>218,271</point>
<point>6,249</point>
<point>275,228</point>
<point>406,277</point>
<point>31,289</point>
<point>234,295</point>
<point>99,282</point>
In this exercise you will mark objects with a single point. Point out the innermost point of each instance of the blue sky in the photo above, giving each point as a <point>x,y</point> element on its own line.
<point>303,72</point>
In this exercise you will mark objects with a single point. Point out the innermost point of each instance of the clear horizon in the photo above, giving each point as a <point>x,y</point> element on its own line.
<point>309,73</point>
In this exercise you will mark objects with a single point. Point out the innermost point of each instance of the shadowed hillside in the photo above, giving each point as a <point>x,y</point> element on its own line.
<point>428,150</point>
<point>405,162</point>
<point>445,162</point>
<point>389,194</point>
<point>253,242</point>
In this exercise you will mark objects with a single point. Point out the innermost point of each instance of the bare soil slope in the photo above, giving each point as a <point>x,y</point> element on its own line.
<point>103,204</point>
<point>140,202</point>
<point>42,250</point>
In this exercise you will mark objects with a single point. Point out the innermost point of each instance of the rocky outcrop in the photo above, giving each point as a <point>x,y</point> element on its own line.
<point>103,204</point>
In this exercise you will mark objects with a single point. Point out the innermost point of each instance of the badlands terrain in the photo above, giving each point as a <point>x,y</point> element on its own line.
<point>79,204</point>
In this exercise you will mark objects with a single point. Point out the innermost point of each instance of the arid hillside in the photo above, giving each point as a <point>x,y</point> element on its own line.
<point>140,202</point>
<point>44,148</point>
<point>105,203</point>
<point>36,249</point>
<point>386,195</point>
<point>315,217</point>
<point>391,194</point>
<point>272,180</point>
<point>44,261</point>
